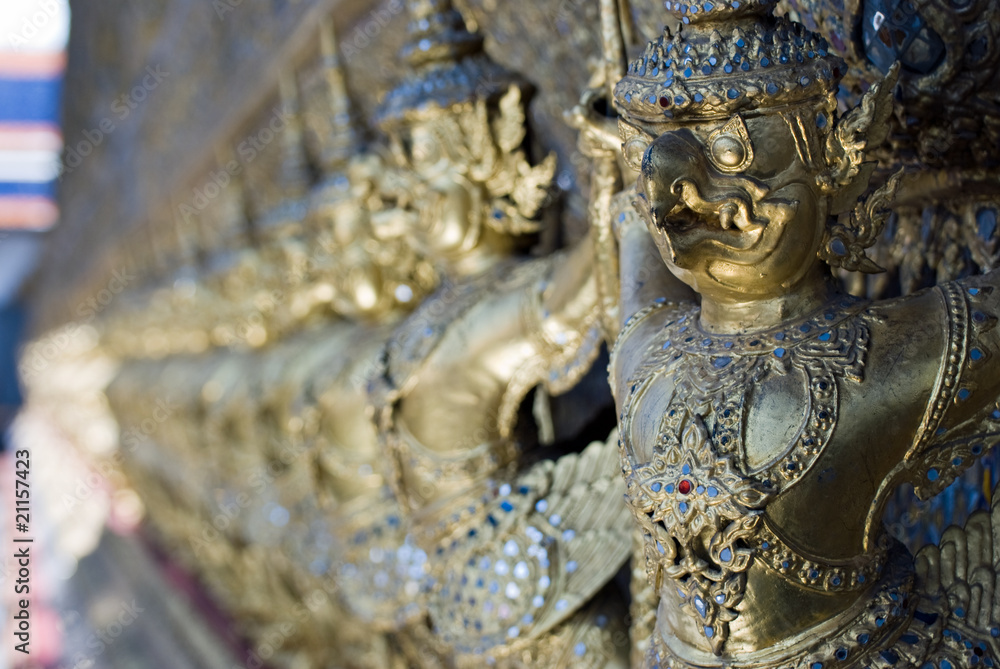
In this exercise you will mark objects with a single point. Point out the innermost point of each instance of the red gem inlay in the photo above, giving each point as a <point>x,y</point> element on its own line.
<point>684,487</point>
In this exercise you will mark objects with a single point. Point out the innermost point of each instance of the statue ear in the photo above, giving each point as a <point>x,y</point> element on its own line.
<point>635,141</point>
<point>860,130</point>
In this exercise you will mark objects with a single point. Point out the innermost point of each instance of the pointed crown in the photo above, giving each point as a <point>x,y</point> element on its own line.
<point>450,67</point>
<point>728,56</point>
<point>344,138</point>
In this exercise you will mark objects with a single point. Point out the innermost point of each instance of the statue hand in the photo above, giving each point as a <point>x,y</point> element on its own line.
<point>598,134</point>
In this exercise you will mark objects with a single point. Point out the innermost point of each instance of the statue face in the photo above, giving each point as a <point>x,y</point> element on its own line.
<point>427,155</point>
<point>733,209</point>
<point>367,265</point>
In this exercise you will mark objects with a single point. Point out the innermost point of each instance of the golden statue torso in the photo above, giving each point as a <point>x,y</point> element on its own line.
<point>758,466</point>
<point>511,551</point>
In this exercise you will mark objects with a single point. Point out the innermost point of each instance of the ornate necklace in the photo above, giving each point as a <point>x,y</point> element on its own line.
<point>700,506</point>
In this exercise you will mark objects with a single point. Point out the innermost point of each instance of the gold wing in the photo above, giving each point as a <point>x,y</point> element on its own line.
<point>585,492</point>
<point>963,574</point>
<point>553,537</point>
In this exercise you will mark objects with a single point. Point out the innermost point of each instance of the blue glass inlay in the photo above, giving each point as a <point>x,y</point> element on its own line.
<point>892,658</point>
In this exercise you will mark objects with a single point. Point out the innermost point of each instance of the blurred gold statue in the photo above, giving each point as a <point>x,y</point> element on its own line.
<point>516,554</point>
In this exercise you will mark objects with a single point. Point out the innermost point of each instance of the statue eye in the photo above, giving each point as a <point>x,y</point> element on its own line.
<point>729,153</point>
<point>729,147</point>
<point>426,150</point>
<point>633,150</point>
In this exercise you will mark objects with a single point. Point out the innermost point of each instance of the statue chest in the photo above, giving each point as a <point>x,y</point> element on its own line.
<point>714,428</point>
<point>767,401</point>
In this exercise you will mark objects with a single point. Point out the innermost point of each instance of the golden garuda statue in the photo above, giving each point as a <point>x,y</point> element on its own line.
<point>519,552</point>
<point>766,419</point>
<point>392,417</point>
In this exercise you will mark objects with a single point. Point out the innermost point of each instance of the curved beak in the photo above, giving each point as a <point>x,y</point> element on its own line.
<point>671,157</point>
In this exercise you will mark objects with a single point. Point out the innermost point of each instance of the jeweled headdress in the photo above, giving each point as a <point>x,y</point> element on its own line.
<point>449,64</point>
<point>474,110</point>
<point>728,56</point>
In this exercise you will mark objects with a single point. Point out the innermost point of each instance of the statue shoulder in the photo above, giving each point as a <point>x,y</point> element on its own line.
<point>639,335</point>
<point>908,334</point>
<point>953,327</point>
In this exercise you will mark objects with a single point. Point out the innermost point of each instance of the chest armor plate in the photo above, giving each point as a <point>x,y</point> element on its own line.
<point>699,504</point>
